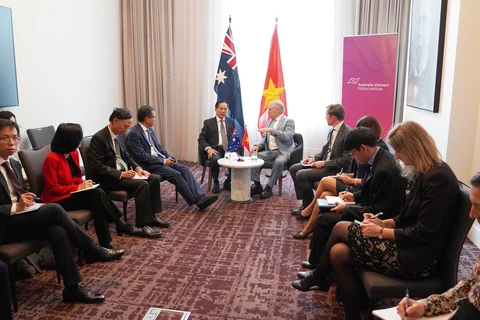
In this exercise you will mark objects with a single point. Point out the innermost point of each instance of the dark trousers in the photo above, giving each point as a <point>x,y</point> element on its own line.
<point>52,223</point>
<point>147,197</point>
<point>5,306</point>
<point>214,167</point>
<point>180,176</point>
<point>466,311</point>
<point>102,208</point>
<point>323,227</point>
<point>303,180</point>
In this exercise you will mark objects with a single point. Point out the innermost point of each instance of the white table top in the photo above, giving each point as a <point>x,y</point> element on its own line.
<point>248,163</point>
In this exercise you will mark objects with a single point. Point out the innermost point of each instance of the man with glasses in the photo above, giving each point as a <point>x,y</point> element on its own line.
<point>20,220</point>
<point>111,166</point>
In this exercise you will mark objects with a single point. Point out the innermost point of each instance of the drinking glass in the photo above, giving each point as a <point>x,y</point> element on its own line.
<point>254,155</point>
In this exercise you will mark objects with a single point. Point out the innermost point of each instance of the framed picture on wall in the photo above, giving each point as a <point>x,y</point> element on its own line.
<point>427,35</point>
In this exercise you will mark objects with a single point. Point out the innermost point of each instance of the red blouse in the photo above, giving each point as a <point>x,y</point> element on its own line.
<point>58,180</point>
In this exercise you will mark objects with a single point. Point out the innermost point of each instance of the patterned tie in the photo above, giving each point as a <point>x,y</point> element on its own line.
<point>329,142</point>
<point>17,187</point>
<point>118,155</point>
<point>152,144</point>
<point>224,135</point>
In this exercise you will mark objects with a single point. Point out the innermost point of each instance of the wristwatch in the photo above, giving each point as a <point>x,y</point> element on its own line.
<point>380,236</point>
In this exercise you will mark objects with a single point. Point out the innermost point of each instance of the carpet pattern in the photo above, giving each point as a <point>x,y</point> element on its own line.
<point>231,261</point>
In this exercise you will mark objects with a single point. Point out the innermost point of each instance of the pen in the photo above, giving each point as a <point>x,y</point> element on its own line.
<point>407,296</point>
<point>341,170</point>
<point>376,216</point>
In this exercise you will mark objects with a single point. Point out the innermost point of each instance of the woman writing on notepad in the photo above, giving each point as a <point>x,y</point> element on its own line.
<point>63,185</point>
<point>332,186</point>
<point>406,246</point>
<point>465,295</point>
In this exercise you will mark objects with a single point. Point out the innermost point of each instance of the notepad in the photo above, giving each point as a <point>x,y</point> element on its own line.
<point>306,164</point>
<point>86,189</point>
<point>137,176</point>
<point>391,314</point>
<point>31,208</point>
<point>336,200</point>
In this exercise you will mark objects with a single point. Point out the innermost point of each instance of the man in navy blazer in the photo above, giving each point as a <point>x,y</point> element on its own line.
<point>275,147</point>
<point>214,144</point>
<point>145,149</point>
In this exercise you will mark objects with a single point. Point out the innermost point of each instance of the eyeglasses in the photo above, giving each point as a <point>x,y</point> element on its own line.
<point>14,139</point>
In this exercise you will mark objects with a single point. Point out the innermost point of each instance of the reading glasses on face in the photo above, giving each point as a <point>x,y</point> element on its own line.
<point>8,138</point>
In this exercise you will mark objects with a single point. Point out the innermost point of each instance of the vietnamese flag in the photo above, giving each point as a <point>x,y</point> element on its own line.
<point>274,88</point>
<point>245,140</point>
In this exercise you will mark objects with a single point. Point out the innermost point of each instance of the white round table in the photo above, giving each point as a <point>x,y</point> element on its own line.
<point>241,178</point>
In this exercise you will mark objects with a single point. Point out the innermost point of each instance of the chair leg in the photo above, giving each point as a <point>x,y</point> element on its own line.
<point>13,291</point>
<point>59,278</point>
<point>37,268</point>
<point>203,175</point>
<point>86,226</point>
<point>176,194</point>
<point>280,185</point>
<point>370,309</point>
<point>209,187</point>
<point>125,210</point>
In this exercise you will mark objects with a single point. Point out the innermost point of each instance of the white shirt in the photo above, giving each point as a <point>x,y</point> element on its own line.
<point>272,143</point>
<point>13,194</point>
<point>332,140</point>
<point>113,136</point>
<point>153,151</point>
<point>219,123</point>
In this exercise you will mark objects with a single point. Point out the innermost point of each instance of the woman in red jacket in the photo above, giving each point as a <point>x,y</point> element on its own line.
<point>62,176</point>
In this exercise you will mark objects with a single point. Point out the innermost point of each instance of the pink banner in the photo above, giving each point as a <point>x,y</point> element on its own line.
<point>369,73</point>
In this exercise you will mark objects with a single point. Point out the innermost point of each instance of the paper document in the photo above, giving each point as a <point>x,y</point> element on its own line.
<point>86,189</point>
<point>336,200</point>
<point>166,314</point>
<point>306,164</point>
<point>137,176</point>
<point>31,208</point>
<point>391,314</point>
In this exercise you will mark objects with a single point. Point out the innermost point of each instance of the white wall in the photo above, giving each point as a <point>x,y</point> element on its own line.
<point>457,127</point>
<point>68,56</point>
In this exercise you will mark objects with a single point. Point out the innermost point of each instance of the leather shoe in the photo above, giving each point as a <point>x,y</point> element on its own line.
<point>98,253</point>
<point>227,185</point>
<point>309,283</point>
<point>82,295</point>
<point>301,236</point>
<point>205,201</point>
<point>256,188</point>
<point>157,222</point>
<point>148,232</point>
<point>130,230</point>
<point>303,218</point>
<point>296,212</point>
<point>304,274</point>
<point>216,187</point>
<point>307,265</point>
<point>267,193</point>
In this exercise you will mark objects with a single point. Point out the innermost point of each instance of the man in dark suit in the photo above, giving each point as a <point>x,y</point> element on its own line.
<point>147,152</point>
<point>214,138</point>
<point>383,190</point>
<point>329,161</point>
<point>48,222</point>
<point>112,167</point>
<point>276,147</point>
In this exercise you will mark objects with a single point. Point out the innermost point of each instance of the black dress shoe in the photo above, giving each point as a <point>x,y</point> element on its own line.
<point>300,236</point>
<point>302,218</point>
<point>150,233</point>
<point>304,274</point>
<point>256,188</point>
<point>157,222</point>
<point>296,212</point>
<point>205,201</point>
<point>130,230</point>
<point>216,187</point>
<point>307,265</point>
<point>310,283</point>
<point>101,254</point>
<point>267,193</point>
<point>82,295</point>
<point>227,185</point>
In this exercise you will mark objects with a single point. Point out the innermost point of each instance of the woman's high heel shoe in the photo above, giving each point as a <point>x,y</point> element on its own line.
<point>300,236</point>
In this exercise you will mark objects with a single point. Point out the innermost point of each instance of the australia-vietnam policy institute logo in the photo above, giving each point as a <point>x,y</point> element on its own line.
<point>353,80</point>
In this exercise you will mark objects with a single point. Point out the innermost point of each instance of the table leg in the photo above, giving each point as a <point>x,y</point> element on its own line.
<point>240,192</point>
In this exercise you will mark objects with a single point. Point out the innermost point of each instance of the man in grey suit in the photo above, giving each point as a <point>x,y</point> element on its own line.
<point>275,148</point>
<point>329,161</point>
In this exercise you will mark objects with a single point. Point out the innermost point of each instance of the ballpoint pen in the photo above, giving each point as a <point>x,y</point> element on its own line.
<point>377,215</point>
<point>407,296</point>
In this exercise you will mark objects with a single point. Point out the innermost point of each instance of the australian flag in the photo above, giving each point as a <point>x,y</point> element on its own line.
<point>235,141</point>
<point>227,84</point>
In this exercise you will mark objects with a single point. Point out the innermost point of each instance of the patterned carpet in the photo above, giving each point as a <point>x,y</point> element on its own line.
<point>232,261</point>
